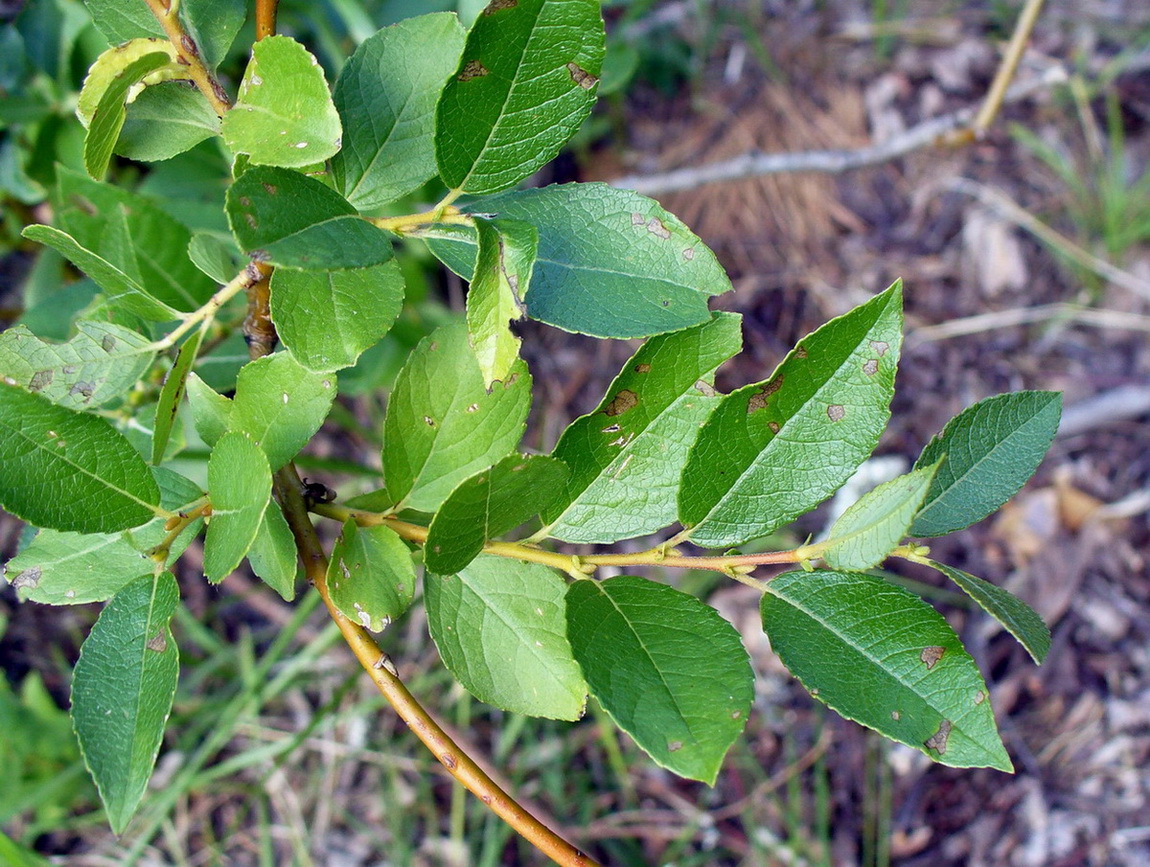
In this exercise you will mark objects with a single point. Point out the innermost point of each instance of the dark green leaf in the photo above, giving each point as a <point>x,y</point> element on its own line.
<point>165,120</point>
<point>218,258</point>
<point>292,220</point>
<point>284,115</point>
<point>611,263</point>
<point>526,81</point>
<point>120,21</point>
<point>386,96</point>
<point>442,425</point>
<point>214,24</point>
<point>773,450</point>
<point>108,119</point>
<point>370,576</point>
<point>884,658</point>
<point>273,554</point>
<point>122,692</point>
<point>991,449</point>
<point>669,670</point>
<point>504,263</point>
<point>627,456</point>
<point>871,528</point>
<point>327,319</point>
<point>239,485</point>
<point>1019,619</point>
<point>172,395</point>
<point>68,470</point>
<point>100,363</point>
<point>489,504</point>
<point>501,629</point>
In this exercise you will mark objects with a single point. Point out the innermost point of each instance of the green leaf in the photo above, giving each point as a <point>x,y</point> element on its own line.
<point>239,485</point>
<point>884,658</point>
<point>120,290</point>
<point>284,115</point>
<point>108,119</point>
<point>773,450</point>
<point>214,25</point>
<point>120,21</point>
<point>72,568</point>
<point>295,221</point>
<point>172,395</point>
<point>100,363</point>
<point>627,456</point>
<point>219,259</point>
<point>386,95</point>
<point>273,554</point>
<point>281,405</point>
<point>1019,619</point>
<point>611,263</point>
<point>991,449</point>
<point>370,575</point>
<point>487,505</point>
<point>442,425</point>
<point>668,669</point>
<point>135,235</point>
<point>500,627</point>
<point>165,120</point>
<point>112,64</point>
<point>69,470</point>
<point>871,528</point>
<point>211,412</point>
<point>504,263</point>
<point>327,319</point>
<point>525,83</point>
<point>15,855</point>
<point>122,692</point>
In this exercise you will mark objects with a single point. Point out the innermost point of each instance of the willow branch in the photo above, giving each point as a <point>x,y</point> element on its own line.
<point>244,280</point>
<point>167,13</point>
<point>376,663</point>
<point>266,18</point>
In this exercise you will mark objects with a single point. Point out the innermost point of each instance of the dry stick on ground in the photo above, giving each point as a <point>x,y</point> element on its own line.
<point>1075,313</point>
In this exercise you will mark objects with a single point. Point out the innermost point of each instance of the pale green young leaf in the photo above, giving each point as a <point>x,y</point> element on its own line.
<point>166,120</point>
<point>991,449</point>
<point>774,450</point>
<point>211,412</point>
<point>100,363</point>
<point>873,527</point>
<point>281,405</point>
<point>503,266</point>
<point>295,221</point>
<point>501,629</point>
<point>386,95</point>
<point>172,395</point>
<point>69,470</point>
<point>284,115</point>
<point>327,319</point>
<point>273,555</point>
<point>1018,618</point>
<point>214,25</point>
<point>111,65</point>
<point>370,575</point>
<point>526,81</point>
<point>122,692</point>
<point>239,486</point>
<point>120,291</point>
<point>668,669</point>
<point>108,118</point>
<point>884,658</point>
<point>71,568</point>
<point>442,425</point>
<point>489,504</point>
<point>627,456</point>
<point>611,263</point>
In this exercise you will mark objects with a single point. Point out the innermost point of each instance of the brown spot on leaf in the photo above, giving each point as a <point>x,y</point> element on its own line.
<point>705,388</point>
<point>251,220</point>
<point>84,389</point>
<point>28,579</point>
<point>880,347</point>
<point>69,369</point>
<point>836,412</point>
<point>108,343</point>
<point>642,368</point>
<point>638,220</point>
<point>655,227</point>
<point>245,202</point>
<point>158,643</point>
<point>581,76</point>
<point>895,715</point>
<point>499,5</point>
<point>622,402</point>
<point>759,398</point>
<point>931,655</point>
<point>41,379</point>
<point>674,746</point>
<point>937,741</point>
<point>689,253</point>
<point>271,189</point>
<point>871,367</point>
<point>800,352</point>
<point>774,426</point>
<point>472,69</point>
<point>979,697</point>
